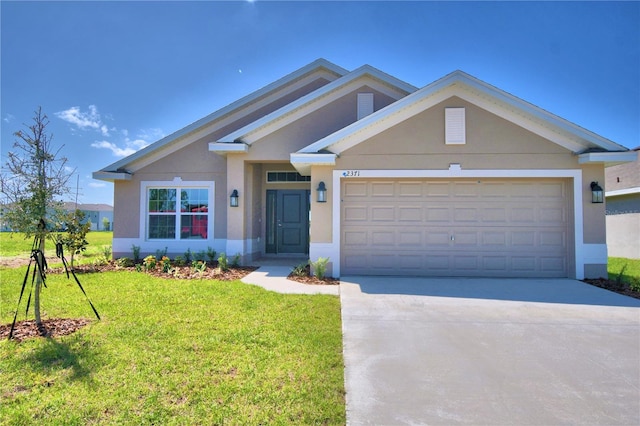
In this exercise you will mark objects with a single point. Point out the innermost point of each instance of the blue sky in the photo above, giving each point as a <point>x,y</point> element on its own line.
<point>115,76</point>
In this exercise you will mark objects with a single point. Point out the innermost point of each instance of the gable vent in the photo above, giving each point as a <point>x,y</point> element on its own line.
<point>365,104</point>
<point>455,129</point>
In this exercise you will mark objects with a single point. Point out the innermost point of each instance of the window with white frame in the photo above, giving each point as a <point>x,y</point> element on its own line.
<point>177,212</point>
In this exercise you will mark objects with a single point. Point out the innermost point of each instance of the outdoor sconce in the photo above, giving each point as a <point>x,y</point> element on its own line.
<point>596,193</point>
<point>322,193</point>
<point>233,199</point>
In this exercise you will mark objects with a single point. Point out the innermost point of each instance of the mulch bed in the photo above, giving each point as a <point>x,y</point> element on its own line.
<point>614,286</point>
<point>54,327</point>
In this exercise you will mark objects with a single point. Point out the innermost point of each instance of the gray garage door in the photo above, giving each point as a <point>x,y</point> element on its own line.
<point>480,227</point>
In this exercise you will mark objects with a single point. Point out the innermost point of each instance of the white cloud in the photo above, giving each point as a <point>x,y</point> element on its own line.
<point>97,184</point>
<point>9,118</point>
<point>152,134</point>
<point>84,120</point>
<point>115,149</point>
<point>130,147</point>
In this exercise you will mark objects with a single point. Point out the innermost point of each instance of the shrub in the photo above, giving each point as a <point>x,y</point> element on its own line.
<point>150,262</point>
<point>125,262</point>
<point>179,261</point>
<point>136,253</point>
<point>161,253</point>
<point>166,264</point>
<point>199,266</point>
<point>211,254</point>
<point>106,252</point>
<point>300,270</point>
<point>188,256</point>
<point>320,267</point>
<point>235,262</point>
<point>223,262</point>
<point>200,256</point>
<point>635,284</point>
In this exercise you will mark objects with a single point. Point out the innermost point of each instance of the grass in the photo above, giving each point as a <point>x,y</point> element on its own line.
<point>624,270</point>
<point>173,352</point>
<point>15,244</point>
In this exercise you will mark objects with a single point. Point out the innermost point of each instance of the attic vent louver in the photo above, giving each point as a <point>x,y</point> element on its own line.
<point>365,104</point>
<point>455,129</point>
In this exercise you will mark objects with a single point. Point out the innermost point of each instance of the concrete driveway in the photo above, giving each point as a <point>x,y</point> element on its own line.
<point>489,352</point>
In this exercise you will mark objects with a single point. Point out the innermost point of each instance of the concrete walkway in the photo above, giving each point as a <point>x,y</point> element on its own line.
<point>489,352</point>
<point>272,275</point>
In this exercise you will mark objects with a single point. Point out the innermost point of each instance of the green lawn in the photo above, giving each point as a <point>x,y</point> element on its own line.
<point>627,270</point>
<point>15,244</point>
<point>174,352</point>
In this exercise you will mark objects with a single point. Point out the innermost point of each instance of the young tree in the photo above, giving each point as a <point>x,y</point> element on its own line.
<point>76,233</point>
<point>37,175</point>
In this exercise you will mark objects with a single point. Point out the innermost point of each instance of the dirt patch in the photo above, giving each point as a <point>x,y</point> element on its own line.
<point>54,327</point>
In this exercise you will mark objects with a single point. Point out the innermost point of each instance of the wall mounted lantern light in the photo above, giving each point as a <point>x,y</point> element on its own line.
<point>322,192</point>
<point>597,195</point>
<point>233,199</point>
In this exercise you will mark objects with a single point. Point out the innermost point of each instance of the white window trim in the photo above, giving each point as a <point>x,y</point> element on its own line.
<point>178,184</point>
<point>580,249</point>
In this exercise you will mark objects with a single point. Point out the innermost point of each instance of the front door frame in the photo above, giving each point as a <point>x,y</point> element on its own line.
<point>275,223</point>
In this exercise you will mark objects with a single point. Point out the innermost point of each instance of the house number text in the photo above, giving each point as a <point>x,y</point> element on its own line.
<point>351,173</point>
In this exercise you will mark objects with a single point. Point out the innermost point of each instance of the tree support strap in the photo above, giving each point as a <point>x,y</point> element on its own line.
<point>40,269</point>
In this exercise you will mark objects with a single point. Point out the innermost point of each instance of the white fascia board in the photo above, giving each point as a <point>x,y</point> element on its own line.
<point>303,161</point>
<point>228,148</point>
<point>326,94</point>
<point>608,157</point>
<point>111,176</point>
<point>626,191</point>
<point>240,103</point>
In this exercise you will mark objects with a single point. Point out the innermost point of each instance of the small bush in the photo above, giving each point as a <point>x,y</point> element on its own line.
<point>161,253</point>
<point>150,262</point>
<point>200,256</point>
<point>199,266</point>
<point>211,255</point>
<point>320,267</point>
<point>235,262</point>
<point>188,256</point>
<point>300,270</point>
<point>223,262</point>
<point>106,252</point>
<point>166,264</point>
<point>136,253</point>
<point>125,262</point>
<point>179,261</point>
<point>635,284</point>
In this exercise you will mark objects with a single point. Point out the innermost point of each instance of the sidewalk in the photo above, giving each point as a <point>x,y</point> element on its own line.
<point>273,277</point>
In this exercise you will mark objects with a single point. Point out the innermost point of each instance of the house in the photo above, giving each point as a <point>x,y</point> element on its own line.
<point>100,215</point>
<point>622,184</point>
<point>457,178</point>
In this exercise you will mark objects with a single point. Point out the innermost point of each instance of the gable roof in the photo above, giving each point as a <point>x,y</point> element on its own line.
<point>315,100</point>
<point>463,85</point>
<point>118,169</point>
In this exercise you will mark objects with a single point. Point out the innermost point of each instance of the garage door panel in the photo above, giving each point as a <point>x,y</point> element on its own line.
<point>473,228</point>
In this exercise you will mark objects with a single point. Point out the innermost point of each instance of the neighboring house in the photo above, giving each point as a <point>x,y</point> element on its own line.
<point>458,178</point>
<point>95,213</point>
<point>622,186</point>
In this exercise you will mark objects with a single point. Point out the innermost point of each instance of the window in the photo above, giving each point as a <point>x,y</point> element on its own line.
<point>273,177</point>
<point>166,222</point>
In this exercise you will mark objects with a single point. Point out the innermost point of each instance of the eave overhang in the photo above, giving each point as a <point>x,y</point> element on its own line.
<point>111,176</point>
<point>224,148</point>
<point>302,161</point>
<point>608,158</point>
<point>626,191</point>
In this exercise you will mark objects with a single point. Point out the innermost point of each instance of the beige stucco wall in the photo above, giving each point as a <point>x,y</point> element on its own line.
<point>418,143</point>
<point>312,127</point>
<point>321,213</point>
